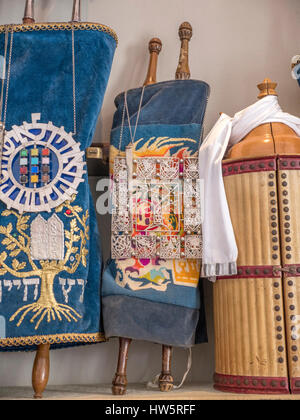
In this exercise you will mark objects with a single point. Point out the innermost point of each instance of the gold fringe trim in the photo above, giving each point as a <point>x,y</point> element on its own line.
<point>51,339</point>
<point>60,26</point>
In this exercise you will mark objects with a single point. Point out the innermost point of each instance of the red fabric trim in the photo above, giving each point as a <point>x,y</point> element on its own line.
<point>253,165</point>
<point>251,384</point>
<point>254,271</point>
<point>287,163</point>
<point>295,385</point>
<point>294,270</point>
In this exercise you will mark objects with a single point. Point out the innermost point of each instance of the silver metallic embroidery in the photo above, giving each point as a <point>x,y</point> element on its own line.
<point>193,246</point>
<point>47,238</point>
<point>121,246</point>
<point>170,247</point>
<point>145,168</point>
<point>169,168</point>
<point>120,168</point>
<point>190,168</point>
<point>145,246</point>
<point>161,216</point>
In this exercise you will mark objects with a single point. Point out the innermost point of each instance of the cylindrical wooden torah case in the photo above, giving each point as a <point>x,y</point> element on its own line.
<point>257,311</point>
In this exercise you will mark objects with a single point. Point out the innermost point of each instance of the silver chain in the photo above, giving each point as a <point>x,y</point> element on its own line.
<point>4,72</point>
<point>122,129</point>
<point>125,108</point>
<point>74,82</point>
<point>8,74</point>
<point>7,78</point>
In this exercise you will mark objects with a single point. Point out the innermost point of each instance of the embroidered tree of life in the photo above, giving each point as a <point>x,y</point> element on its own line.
<point>18,240</point>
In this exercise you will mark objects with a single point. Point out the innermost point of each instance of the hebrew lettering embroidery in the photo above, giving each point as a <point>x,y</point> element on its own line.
<point>18,239</point>
<point>8,286</point>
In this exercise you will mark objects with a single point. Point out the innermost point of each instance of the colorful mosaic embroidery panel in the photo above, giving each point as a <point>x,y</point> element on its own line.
<point>35,166</point>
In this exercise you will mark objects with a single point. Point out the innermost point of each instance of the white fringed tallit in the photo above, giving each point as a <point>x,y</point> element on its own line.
<point>219,245</point>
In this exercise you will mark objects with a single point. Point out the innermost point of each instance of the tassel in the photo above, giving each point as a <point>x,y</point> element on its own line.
<point>154,382</point>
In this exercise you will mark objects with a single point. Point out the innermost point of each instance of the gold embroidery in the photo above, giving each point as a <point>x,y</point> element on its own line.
<point>46,306</point>
<point>52,339</point>
<point>154,147</point>
<point>60,26</point>
<point>186,272</point>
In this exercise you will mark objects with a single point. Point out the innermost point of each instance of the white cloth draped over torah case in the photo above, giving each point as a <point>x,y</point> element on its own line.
<point>256,310</point>
<point>219,244</point>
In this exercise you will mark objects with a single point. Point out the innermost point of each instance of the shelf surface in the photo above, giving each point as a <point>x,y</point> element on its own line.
<point>135,392</point>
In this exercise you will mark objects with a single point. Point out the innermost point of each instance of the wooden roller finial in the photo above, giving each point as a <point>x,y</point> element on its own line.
<point>40,371</point>
<point>29,12</point>
<point>76,15</point>
<point>155,46</point>
<point>185,35</point>
<point>267,87</point>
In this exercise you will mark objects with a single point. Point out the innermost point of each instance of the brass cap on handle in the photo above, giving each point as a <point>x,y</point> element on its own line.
<point>155,47</point>
<point>267,87</point>
<point>185,31</point>
<point>185,34</point>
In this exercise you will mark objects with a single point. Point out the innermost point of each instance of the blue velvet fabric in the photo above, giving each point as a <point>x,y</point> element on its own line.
<point>65,310</point>
<point>163,297</point>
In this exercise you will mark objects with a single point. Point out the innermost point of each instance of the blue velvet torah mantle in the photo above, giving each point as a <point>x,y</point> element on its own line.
<point>50,263</point>
<point>154,299</point>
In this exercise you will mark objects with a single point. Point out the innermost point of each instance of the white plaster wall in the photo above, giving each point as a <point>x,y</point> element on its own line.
<point>236,44</point>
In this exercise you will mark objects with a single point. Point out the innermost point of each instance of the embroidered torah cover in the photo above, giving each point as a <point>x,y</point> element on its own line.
<point>49,254</point>
<point>154,299</point>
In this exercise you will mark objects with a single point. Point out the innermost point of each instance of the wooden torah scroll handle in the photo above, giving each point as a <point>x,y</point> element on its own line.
<point>185,34</point>
<point>119,384</point>
<point>155,46</point>
<point>76,14</point>
<point>166,382</point>
<point>40,372</point>
<point>29,12</point>
<point>266,88</point>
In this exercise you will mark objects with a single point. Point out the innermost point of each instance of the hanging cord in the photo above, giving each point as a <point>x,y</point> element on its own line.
<point>74,81</point>
<point>138,114</point>
<point>4,71</point>
<point>8,75</point>
<point>125,109</point>
<point>7,88</point>
<point>121,129</point>
<point>10,28</point>
<point>155,382</point>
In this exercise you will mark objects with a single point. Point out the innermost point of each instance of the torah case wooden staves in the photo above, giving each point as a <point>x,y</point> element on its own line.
<point>257,311</point>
